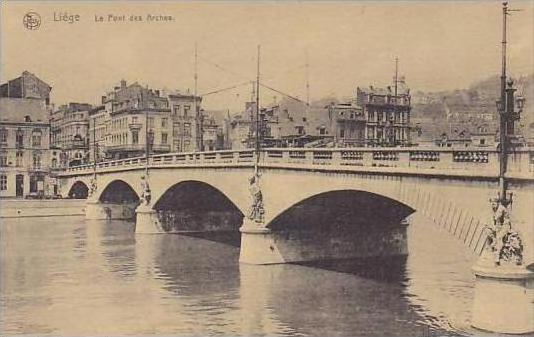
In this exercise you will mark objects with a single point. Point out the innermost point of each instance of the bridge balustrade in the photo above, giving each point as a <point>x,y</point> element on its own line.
<point>520,162</point>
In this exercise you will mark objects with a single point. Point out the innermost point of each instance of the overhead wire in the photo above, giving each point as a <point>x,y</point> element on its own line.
<point>247,82</point>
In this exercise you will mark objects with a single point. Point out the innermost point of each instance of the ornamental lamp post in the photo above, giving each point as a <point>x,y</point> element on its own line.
<point>501,279</point>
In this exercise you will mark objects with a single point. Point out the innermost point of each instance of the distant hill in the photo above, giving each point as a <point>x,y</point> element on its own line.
<point>469,110</point>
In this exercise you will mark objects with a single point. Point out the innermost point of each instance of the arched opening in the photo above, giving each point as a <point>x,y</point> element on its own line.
<point>118,192</point>
<point>341,209</point>
<point>344,224</point>
<point>194,207</point>
<point>120,200</point>
<point>79,191</point>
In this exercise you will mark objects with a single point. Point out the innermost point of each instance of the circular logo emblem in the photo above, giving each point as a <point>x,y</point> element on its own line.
<point>32,20</point>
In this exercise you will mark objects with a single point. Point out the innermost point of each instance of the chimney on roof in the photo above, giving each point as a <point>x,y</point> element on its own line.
<point>123,83</point>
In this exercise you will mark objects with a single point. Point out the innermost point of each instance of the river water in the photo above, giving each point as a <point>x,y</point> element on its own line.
<point>68,276</point>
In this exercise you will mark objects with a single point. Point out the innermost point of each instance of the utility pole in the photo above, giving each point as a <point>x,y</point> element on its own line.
<point>94,147</point>
<point>251,128</point>
<point>258,108</point>
<point>148,139</point>
<point>507,113</point>
<point>200,137</point>
<point>93,186</point>
<point>307,85</point>
<point>390,122</point>
<point>502,111</point>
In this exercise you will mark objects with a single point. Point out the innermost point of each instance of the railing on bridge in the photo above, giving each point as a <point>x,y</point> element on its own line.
<point>520,163</point>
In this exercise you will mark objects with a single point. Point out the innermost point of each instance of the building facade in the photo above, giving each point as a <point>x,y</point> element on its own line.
<point>27,85</point>
<point>347,124</point>
<point>25,154</point>
<point>132,117</point>
<point>375,117</point>
<point>69,127</point>
<point>186,122</point>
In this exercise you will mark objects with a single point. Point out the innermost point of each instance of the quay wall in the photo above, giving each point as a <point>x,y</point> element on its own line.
<point>15,208</point>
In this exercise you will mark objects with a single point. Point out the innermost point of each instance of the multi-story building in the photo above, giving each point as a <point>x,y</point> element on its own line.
<point>185,122</point>
<point>212,133</point>
<point>375,117</point>
<point>25,156</point>
<point>347,124</point>
<point>69,129</point>
<point>133,116</point>
<point>27,85</point>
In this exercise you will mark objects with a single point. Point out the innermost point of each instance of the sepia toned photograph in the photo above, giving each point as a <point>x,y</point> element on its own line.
<point>267,168</point>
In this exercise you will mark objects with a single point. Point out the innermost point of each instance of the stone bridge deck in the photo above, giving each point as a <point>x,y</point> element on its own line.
<point>465,162</point>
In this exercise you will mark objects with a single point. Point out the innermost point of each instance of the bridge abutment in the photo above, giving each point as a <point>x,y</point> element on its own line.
<point>146,221</point>
<point>503,300</point>
<point>258,245</point>
<point>96,210</point>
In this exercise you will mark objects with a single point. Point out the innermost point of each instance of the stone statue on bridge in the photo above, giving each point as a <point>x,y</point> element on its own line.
<point>145,194</point>
<point>256,210</point>
<point>505,244</point>
<point>92,186</point>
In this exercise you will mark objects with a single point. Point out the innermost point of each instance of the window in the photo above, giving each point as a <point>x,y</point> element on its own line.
<point>3,182</point>
<point>150,122</point>
<point>20,155</point>
<point>342,133</point>
<point>186,110</point>
<point>36,138</point>
<point>20,138</point>
<point>176,110</point>
<point>54,163</point>
<point>135,137</point>
<point>187,129</point>
<point>164,123</point>
<point>3,135</point>
<point>164,138</point>
<point>3,159</point>
<point>36,160</point>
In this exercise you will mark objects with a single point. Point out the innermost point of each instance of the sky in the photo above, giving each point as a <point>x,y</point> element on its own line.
<point>440,46</point>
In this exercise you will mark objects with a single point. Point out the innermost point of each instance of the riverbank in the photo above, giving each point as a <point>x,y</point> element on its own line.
<point>17,208</point>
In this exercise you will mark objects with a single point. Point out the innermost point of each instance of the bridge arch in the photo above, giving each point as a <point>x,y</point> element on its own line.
<point>118,191</point>
<point>78,190</point>
<point>196,206</point>
<point>341,208</point>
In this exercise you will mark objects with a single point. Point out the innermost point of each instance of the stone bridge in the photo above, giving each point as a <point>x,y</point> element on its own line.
<point>317,203</point>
